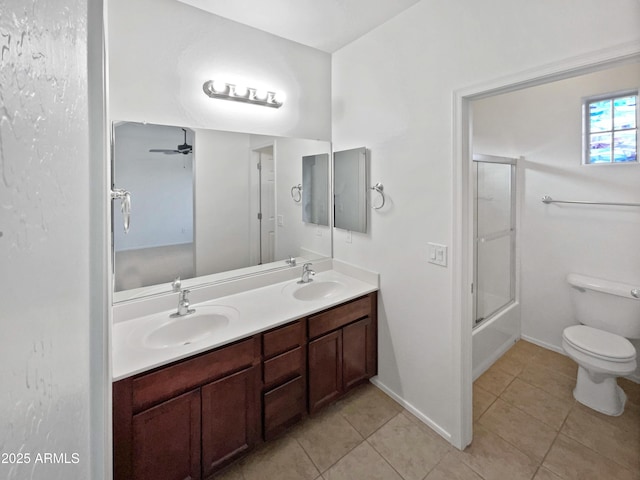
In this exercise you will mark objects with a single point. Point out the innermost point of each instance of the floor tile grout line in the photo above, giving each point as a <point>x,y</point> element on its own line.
<point>557,432</point>
<point>530,415</point>
<point>307,454</point>
<point>574,405</point>
<point>434,435</point>
<point>553,443</point>
<point>483,389</point>
<point>364,439</point>
<point>514,446</point>
<point>542,389</point>
<point>378,428</point>
<point>626,467</point>
<point>486,409</point>
<point>384,458</point>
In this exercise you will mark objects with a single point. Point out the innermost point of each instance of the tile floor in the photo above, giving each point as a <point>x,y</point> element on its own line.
<point>526,426</point>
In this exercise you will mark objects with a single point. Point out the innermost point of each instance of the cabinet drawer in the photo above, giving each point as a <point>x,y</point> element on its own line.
<point>283,367</point>
<point>283,338</point>
<point>175,379</point>
<point>283,407</point>
<point>339,316</point>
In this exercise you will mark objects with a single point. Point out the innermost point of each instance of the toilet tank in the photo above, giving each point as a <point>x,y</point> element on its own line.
<point>607,305</point>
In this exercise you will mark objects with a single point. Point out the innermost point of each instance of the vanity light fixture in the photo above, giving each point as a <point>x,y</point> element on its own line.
<point>237,93</point>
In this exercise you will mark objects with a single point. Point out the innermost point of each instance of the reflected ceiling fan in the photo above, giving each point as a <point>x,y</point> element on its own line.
<point>184,149</point>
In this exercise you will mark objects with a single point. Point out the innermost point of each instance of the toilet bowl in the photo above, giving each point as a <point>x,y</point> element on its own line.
<point>601,357</point>
<point>609,314</point>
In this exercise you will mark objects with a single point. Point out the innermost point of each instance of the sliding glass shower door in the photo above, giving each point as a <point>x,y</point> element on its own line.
<point>494,236</point>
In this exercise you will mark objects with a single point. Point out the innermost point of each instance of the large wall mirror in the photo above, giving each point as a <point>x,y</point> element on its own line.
<point>209,205</point>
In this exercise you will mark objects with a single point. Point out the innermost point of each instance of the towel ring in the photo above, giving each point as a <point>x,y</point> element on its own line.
<point>125,205</point>
<point>378,187</point>
<point>296,195</point>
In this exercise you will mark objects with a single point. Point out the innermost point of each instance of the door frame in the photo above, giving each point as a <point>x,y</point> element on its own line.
<point>462,204</point>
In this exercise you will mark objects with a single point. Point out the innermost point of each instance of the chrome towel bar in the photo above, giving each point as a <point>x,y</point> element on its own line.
<point>547,199</point>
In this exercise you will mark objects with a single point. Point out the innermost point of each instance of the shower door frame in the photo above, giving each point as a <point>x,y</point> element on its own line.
<point>483,158</point>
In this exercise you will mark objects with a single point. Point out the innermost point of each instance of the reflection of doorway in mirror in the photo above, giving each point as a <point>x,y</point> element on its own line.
<point>266,204</point>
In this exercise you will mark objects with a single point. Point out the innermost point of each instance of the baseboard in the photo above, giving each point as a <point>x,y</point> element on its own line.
<point>422,417</point>
<point>542,344</point>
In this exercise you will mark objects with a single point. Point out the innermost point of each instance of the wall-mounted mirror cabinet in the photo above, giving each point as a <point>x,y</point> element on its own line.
<point>350,189</point>
<point>214,211</point>
<point>315,189</point>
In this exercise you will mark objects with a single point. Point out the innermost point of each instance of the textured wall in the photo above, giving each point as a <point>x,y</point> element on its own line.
<point>44,340</point>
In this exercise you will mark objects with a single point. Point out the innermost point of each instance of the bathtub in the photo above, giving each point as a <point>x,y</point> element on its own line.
<point>494,336</point>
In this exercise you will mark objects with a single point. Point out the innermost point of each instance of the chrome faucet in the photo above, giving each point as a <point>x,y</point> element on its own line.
<point>306,272</point>
<point>183,305</point>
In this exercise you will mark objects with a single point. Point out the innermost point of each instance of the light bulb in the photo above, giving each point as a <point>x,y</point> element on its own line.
<point>240,91</point>
<point>279,97</point>
<point>219,87</point>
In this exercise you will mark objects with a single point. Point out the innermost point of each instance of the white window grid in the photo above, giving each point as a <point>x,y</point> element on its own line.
<point>586,122</point>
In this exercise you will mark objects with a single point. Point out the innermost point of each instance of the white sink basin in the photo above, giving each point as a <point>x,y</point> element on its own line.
<point>317,290</point>
<point>192,328</point>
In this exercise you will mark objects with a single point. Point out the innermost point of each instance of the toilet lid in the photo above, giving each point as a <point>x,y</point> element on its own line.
<point>600,344</point>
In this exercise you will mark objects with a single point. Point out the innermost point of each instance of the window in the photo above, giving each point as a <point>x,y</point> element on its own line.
<point>611,128</point>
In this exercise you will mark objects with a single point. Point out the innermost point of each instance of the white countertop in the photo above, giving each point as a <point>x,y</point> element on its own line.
<point>252,311</point>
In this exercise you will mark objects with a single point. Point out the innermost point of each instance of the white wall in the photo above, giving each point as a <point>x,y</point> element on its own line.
<point>162,51</point>
<point>45,252</point>
<point>544,124</point>
<point>392,92</point>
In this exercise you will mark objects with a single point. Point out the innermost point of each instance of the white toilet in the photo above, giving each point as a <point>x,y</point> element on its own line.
<point>610,314</point>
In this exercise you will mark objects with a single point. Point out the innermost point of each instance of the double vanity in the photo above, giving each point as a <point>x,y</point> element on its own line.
<point>247,340</point>
<point>194,392</point>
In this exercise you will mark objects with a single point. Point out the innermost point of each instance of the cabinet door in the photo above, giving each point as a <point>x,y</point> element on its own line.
<point>166,440</point>
<point>284,406</point>
<point>356,348</point>
<point>325,370</point>
<point>230,418</point>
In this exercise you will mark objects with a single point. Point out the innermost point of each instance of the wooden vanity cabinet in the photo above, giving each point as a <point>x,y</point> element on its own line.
<point>188,419</point>
<point>284,394</point>
<point>342,350</point>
